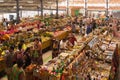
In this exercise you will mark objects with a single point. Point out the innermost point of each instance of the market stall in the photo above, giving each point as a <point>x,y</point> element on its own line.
<point>95,64</point>
<point>92,57</point>
<point>28,31</point>
<point>55,67</point>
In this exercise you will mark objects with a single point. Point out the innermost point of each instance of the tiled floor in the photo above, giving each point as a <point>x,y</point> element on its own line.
<point>46,57</point>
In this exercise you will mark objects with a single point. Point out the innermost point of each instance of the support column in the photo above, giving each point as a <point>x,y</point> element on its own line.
<point>21,13</point>
<point>41,2</point>
<point>17,11</point>
<point>67,7</point>
<point>107,6</point>
<point>38,10</point>
<point>51,13</point>
<point>20,8</point>
<point>86,8</point>
<point>56,9</point>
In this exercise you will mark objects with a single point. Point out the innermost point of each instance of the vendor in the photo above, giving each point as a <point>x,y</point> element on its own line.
<point>69,45</point>
<point>37,51</point>
<point>72,39</point>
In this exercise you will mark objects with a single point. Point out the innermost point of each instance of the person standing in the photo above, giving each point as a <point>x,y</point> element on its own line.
<point>21,46</point>
<point>93,24</point>
<point>55,51</point>
<point>72,39</point>
<point>27,58</point>
<point>115,32</point>
<point>89,29</point>
<point>9,62</point>
<point>73,27</point>
<point>63,44</point>
<point>17,71</point>
<point>5,23</point>
<point>80,25</point>
<point>37,48</point>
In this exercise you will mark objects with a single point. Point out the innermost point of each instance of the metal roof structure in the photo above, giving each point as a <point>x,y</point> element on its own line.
<point>10,5</point>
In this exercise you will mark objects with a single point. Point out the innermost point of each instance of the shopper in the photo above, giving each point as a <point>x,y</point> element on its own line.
<point>37,51</point>
<point>21,46</point>
<point>73,27</point>
<point>115,32</point>
<point>5,23</point>
<point>55,51</point>
<point>93,24</point>
<point>76,20</point>
<point>19,55</point>
<point>89,29</point>
<point>9,62</point>
<point>27,58</point>
<point>83,29</point>
<point>17,71</point>
<point>80,25</point>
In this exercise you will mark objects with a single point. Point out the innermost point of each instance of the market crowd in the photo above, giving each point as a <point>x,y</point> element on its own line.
<point>18,60</point>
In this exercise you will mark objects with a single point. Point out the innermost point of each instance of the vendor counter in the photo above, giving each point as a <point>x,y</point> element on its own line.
<point>47,42</point>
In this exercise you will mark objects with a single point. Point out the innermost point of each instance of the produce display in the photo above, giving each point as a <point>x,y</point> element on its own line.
<point>96,65</point>
<point>56,66</point>
<point>28,33</point>
<point>95,62</point>
<point>91,58</point>
<point>28,30</point>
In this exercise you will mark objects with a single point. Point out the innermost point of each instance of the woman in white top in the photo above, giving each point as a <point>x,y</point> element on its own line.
<point>63,44</point>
